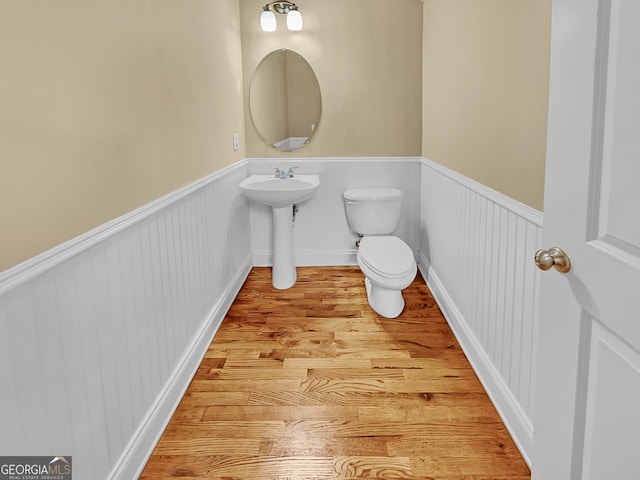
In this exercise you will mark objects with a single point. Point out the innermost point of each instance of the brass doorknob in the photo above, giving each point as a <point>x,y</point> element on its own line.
<point>554,257</point>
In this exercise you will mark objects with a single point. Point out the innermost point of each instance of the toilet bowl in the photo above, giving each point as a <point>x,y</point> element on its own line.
<point>389,267</point>
<point>386,261</point>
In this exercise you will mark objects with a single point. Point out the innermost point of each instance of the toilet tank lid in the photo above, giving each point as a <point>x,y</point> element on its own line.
<point>378,194</point>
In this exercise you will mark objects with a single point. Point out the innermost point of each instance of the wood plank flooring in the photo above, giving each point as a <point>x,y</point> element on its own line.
<point>310,383</point>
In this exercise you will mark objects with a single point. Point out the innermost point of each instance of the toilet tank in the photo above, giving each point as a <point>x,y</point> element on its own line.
<point>373,211</point>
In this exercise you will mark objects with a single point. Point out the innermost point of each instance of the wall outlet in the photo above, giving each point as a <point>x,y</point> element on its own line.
<point>236,142</point>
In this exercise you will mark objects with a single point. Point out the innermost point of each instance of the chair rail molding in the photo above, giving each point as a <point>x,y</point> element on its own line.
<point>100,336</point>
<point>476,254</point>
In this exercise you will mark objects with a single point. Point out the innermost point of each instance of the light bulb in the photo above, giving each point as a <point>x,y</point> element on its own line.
<point>294,20</point>
<point>268,21</point>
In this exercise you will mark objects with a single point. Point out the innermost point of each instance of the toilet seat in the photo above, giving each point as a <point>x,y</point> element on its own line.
<point>389,267</point>
<point>387,256</point>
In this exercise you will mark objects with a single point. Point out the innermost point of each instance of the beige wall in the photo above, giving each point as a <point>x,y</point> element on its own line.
<point>367,57</point>
<point>485,91</point>
<point>107,105</point>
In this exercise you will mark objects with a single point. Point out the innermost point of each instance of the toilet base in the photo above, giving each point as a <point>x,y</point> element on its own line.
<point>384,301</point>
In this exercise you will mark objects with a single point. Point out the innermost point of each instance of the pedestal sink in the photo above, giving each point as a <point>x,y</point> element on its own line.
<point>280,194</point>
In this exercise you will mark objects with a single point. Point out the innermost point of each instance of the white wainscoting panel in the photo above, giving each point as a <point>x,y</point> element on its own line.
<point>321,232</point>
<point>100,336</point>
<point>477,249</point>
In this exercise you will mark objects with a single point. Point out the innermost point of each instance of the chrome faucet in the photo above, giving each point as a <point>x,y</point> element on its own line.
<point>281,174</point>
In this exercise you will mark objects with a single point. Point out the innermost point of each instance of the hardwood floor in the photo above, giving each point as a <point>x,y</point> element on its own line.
<point>310,383</point>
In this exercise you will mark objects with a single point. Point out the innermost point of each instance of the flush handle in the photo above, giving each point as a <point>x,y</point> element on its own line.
<point>554,257</point>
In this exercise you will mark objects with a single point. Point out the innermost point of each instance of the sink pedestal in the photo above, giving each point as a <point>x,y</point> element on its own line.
<point>283,272</point>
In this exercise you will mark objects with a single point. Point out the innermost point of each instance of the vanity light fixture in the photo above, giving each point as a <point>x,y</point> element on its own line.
<point>268,18</point>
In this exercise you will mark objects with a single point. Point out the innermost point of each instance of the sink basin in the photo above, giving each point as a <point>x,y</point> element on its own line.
<point>278,192</point>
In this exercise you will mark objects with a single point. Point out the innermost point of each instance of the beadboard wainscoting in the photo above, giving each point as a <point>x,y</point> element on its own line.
<point>100,336</point>
<point>321,232</point>
<point>477,249</point>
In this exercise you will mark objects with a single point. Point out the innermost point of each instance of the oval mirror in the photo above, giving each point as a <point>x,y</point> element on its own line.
<point>284,100</point>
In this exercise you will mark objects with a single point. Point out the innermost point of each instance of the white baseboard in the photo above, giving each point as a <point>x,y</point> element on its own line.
<point>135,456</point>
<point>477,247</point>
<point>509,409</point>
<point>264,258</point>
<point>114,323</point>
<point>173,245</point>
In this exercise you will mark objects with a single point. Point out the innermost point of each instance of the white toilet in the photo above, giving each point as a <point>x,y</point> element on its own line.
<point>387,262</point>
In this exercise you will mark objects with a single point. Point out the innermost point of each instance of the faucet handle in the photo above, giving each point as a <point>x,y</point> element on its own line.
<point>290,172</point>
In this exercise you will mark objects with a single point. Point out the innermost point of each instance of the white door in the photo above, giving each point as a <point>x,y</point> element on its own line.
<point>587,413</point>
